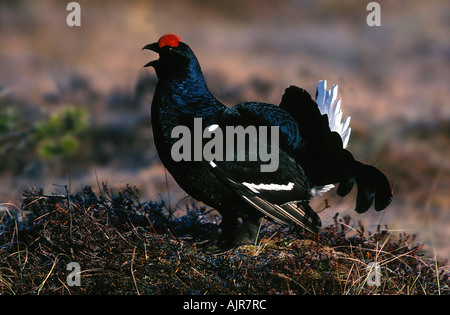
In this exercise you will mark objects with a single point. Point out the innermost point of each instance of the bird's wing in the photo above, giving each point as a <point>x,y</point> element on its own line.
<point>263,114</point>
<point>278,202</point>
<point>281,194</point>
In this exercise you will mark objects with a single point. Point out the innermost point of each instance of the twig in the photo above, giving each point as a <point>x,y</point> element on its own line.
<point>69,209</point>
<point>48,275</point>
<point>132,272</point>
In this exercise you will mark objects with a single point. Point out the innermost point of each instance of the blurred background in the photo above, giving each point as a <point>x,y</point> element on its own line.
<point>75,101</point>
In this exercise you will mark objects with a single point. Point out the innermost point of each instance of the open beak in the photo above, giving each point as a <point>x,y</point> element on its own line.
<point>154,47</point>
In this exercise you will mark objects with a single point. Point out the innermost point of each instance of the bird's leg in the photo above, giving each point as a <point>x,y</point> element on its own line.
<point>248,232</point>
<point>226,231</point>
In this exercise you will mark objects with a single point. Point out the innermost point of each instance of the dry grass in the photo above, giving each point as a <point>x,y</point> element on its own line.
<point>127,247</point>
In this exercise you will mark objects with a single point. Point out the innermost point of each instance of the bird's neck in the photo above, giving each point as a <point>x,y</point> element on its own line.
<point>177,102</point>
<point>188,94</point>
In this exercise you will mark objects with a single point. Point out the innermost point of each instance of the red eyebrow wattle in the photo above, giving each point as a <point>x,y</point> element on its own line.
<point>171,40</point>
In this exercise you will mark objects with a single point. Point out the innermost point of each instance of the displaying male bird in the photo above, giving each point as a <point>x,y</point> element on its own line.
<point>310,145</point>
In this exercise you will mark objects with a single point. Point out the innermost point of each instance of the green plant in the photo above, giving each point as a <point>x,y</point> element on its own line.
<point>9,120</point>
<point>57,135</point>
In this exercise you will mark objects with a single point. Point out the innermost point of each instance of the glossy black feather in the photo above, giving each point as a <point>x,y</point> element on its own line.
<point>324,159</point>
<point>309,153</point>
<point>279,206</point>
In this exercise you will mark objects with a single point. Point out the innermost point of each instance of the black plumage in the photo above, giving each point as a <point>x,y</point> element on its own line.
<point>309,153</point>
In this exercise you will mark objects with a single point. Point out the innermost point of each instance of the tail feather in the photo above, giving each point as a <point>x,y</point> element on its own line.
<point>304,110</point>
<point>329,103</point>
<point>372,184</point>
<point>345,186</point>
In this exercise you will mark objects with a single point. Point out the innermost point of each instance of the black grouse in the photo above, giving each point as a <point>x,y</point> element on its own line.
<point>254,160</point>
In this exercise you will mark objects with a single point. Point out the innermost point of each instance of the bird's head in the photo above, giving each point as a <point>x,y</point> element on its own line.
<point>175,57</point>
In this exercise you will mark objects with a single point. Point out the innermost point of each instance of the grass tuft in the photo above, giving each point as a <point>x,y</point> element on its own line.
<point>124,246</point>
